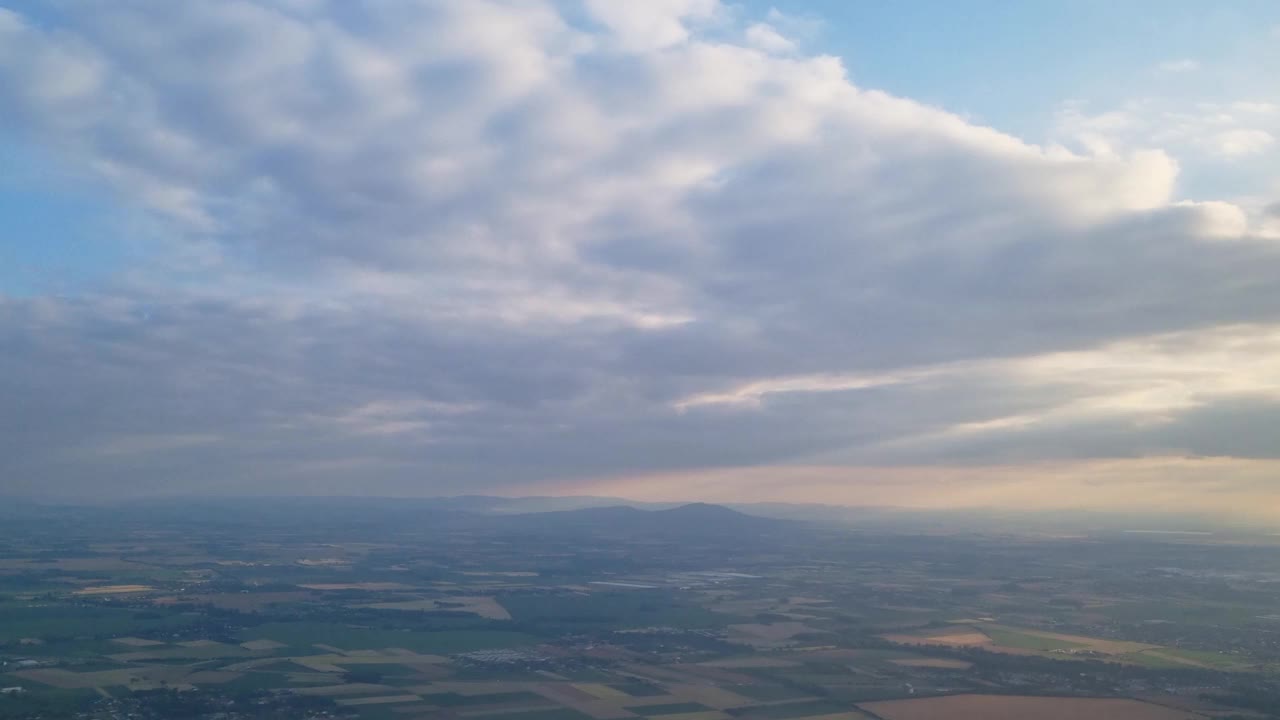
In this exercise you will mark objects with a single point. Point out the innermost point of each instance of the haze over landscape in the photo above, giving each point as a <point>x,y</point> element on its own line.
<point>907,255</point>
<point>639,360</point>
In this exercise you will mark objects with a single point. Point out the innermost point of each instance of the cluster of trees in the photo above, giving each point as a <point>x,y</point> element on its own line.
<point>1259,696</point>
<point>246,704</point>
<point>29,706</point>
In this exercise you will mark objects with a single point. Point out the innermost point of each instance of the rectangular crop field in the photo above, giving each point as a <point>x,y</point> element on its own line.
<point>1013,707</point>
<point>304,634</point>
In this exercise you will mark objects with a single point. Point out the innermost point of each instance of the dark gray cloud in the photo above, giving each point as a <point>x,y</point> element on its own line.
<point>441,247</point>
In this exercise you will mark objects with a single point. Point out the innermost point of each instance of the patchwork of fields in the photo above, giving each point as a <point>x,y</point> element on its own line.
<point>1006,707</point>
<point>539,627</point>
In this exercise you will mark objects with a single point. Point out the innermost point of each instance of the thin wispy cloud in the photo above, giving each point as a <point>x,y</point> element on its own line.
<point>1182,65</point>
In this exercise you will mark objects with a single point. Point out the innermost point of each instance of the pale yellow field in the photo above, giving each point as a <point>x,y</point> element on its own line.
<point>251,664</point>
<point>969,636</point>
<point>1012,707</point>
<point>202,644</point>
<point>136,642</point>
<point>245,602</point>
<point>471,688</point>
<point>345,689</point>
<point>318,665</point>
<point>709,695</point>
<point>604,692</point>
<point>966,637</point>
<point>89,564</point>
<point>843,655</point>
<point>136,678</point>
<point>484,606</point>
<point>1173,658</point>
<point>1102,645</point>
<point>211,677</point>
<point>751,661</point>
<point>113,589</point>
<point>334,663</point>
<point>768,634</point>
<point>261,645</point>
<point>933,663</point>
<point>583,702</point>
<point>375,586</point>
<point>380,700</point>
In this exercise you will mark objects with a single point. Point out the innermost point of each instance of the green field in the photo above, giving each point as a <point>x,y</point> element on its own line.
<point>1205,657</point>
<point>283,666</point>
<point>587,674</point>
<point>633,608</point>
<point>669,709</point>
<point>1217,661</point>
<point>71,621</point>
<point>790,710</point>
<point>557,714</point>
<point>96,666</point>
<point>455,700</point>
<point>192,654</point>
<point>1206,613</point>
<point>768,693</point>
<point>255,680</point>
<point>302,634</point>
<point>379,712</point>
<point>42,701</point>
<point>1148,660</point>
<point>639,689</point>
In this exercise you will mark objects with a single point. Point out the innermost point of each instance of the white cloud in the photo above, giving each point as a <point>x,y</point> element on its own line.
<point>653,24</point>
<point>767,38</point>
<point>1241,142</point>
<point>1258,108</point>
<point>1182,65</point>
<point>753,394</point>
<point>488,240</point>
<point>1145,382</point>
<point>1215,144</point>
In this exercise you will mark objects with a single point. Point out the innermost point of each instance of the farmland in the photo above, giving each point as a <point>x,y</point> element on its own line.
<point>1000,707</point>
<point>512,620</point>
<point>350,637</point>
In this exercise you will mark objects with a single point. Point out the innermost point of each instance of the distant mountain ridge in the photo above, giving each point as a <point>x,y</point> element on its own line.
<point>894,519</point>
<point>691,518</point>
<point>705,511</point>
<point>483,510</point>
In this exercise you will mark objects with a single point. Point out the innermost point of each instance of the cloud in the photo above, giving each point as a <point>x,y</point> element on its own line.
<point>1219,130</point>
<point>767,38</point>
<point>445,247</point>
<point>1224,149</point>
<point>1241,142</point>
<point>151,444</point>
<point>651,25</point>
<point>1149,395</point>
<point>1223,486</point>
<point>1182,65</point>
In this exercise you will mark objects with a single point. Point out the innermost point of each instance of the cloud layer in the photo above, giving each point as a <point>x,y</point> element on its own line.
<point>423,247</point>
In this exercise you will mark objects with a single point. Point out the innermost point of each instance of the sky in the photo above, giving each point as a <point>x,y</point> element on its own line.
<point>923,253</point>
